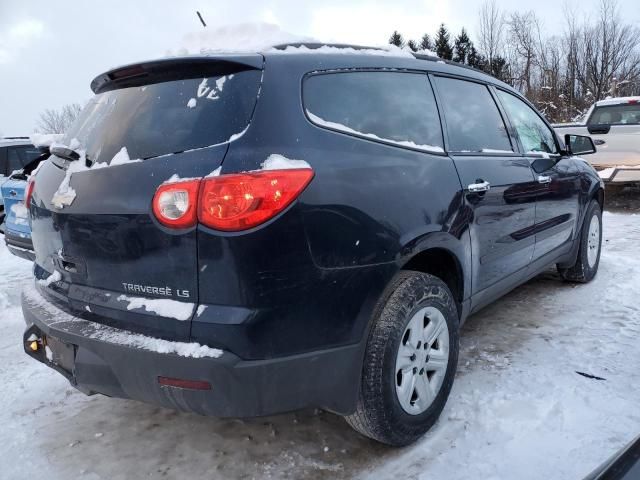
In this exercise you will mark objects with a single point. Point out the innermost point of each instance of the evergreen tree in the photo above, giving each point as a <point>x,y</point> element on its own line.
<point>500,69</point>
<point>461,47</point>
<point>443,48</point>
<point>412,45</point>
<point>396,39</point>
<point>473,58</point>
<point>425,43</point>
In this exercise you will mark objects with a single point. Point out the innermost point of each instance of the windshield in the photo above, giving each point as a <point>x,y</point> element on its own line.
<point>166,117</point>
<point>624,114</point>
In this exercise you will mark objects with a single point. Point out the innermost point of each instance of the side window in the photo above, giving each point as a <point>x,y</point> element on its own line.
<point>623,114</point>
<point>14,161</point>
<point>533,132</point>
<point>392,107</point>
<point>28,153</point>
<point>474,123</point>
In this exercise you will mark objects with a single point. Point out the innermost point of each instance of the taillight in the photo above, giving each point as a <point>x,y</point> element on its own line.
<point>175,204</point>
<point>30,184</point>
<point>241,201</point>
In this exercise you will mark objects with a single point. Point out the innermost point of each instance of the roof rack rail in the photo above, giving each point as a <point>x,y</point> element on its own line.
<point>14,138</point>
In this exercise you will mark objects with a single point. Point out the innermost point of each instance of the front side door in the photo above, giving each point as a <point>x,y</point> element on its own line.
<point>558,190</point>
<point>497,182</point>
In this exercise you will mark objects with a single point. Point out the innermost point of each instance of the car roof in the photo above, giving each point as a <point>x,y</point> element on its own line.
<point>14,141</point>
<point>617,101</point>
<point>391,57</point>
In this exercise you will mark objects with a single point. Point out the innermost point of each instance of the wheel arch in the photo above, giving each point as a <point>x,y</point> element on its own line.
<point>445,257</point>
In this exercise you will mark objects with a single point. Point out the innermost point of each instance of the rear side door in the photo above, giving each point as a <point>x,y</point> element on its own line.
<point>558,178</point>
<point>497,185</point>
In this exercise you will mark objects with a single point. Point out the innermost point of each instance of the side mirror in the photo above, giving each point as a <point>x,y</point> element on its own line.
<point>579,144</point>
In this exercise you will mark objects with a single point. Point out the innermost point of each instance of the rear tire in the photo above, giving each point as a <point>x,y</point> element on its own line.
<point>405,380</point>
<point>588,259</point>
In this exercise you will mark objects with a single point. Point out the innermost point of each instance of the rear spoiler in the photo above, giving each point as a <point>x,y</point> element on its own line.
<point>167,69</point>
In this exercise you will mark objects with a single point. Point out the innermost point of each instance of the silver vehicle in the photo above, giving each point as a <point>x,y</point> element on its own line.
<point>614,125</point>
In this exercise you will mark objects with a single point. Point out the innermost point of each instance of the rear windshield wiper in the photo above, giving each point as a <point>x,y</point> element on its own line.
<point>65,152</point>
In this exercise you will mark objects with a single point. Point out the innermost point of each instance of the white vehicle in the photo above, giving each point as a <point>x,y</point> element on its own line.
<point>614,126</point>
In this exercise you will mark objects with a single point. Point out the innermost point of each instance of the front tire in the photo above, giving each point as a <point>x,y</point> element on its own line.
<point>588,259</point>
<point>410,360</point>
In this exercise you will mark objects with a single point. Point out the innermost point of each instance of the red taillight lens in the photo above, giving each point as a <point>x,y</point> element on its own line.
<point>175,204</point>
<point>240,201</point>
<point>27,198</point>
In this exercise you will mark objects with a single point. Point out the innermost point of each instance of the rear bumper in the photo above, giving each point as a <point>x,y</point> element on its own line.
<point>118,363</point>
<point>19,246</point>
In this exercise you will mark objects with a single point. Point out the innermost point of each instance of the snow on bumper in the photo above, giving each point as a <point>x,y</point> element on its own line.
<point>100,359</point>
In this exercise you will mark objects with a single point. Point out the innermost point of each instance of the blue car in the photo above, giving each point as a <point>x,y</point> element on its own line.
<point>15,153</point>
<point>17,231</point>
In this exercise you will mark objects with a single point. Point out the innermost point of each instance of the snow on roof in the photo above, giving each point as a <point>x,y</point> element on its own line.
<point>265,37</point>
<point>45,139</point>
<point>617,101</point>
<point>386,51</point>
<point>11,141</point>
<point>239,38</point>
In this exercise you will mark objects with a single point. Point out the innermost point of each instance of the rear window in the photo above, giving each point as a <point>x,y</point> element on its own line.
<point>474,123</point>
<point>616,115</point>
<point>166,117</point>
<point>392,107</point>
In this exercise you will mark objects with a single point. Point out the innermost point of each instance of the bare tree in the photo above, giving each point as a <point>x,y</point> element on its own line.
<point>609,50</point>
<point>523,31</point>
<point>491,30</point>
<point>58,121</point>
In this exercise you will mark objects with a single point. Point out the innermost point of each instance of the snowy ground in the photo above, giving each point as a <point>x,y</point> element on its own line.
<point>518,408</point>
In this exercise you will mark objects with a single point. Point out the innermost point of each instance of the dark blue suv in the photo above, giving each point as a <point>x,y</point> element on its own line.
<point>241,235</point>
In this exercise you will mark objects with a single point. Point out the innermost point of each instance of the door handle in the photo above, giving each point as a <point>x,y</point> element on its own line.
<point>13,193</point>
<point>544,179</point>
<point>481,186</point>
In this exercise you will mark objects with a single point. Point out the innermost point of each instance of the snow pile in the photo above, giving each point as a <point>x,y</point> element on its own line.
<point>385,51</point>
<point>343,128</point>
<point>164,307</point>
<point>262,37</point>
<point>495,150</point>
<point>54,277</point>
<point>65,194</point>
<point>216,172</point>
<point>114,335</point>
<point>430,53</point>
<point>21,213</point>
<point>211,93</point>
<point>192,103</point>
<point>184,349</point>
<point>280,162</point>
<point>238,38</point>
<point>122,157</point>
<point>45,139</point>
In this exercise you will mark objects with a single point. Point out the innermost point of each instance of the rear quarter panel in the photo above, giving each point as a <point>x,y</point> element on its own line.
<point>312,276</point>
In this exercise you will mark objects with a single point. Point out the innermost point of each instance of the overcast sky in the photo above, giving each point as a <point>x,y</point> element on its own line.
<point>50,50</point>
